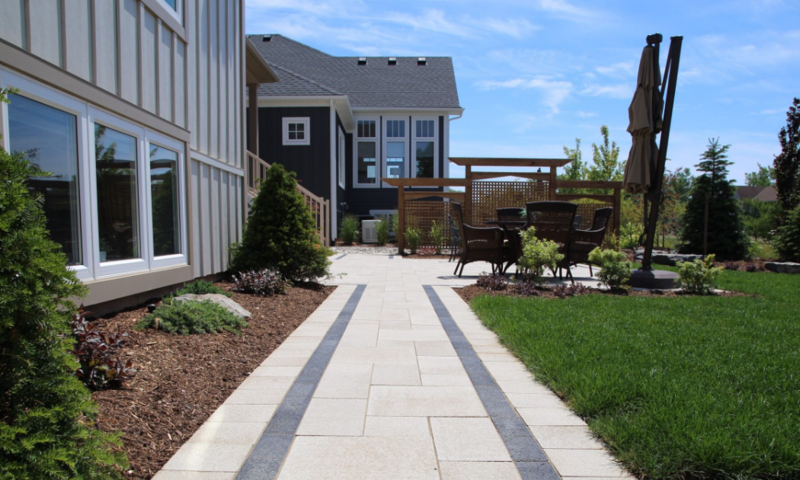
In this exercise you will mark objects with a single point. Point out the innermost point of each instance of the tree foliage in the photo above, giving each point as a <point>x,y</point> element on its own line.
<point>281,233</point>
<point>46,414</point>
<point>787,163</point>
<point>763,177</point>
<point>787,240</point>
<point>605,160</point>
<point>726,235</point>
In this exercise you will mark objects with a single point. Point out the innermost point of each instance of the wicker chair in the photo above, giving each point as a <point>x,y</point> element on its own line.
<point>584,241</point>
<point>479,244</point>
<point>554,221</point>
<point>509,213</point>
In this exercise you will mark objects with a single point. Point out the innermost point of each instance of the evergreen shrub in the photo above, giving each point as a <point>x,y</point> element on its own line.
<point>413,237</point>
<point>787,240</point>
<point>201,287</point>
<point>537,254</point>
<point>191,316</point>
<point>382,231</point>
<point>281,233</point>
<point>615,269</point>
<point>699,276</point>
<point>437,236</point>
<point>349,234</point>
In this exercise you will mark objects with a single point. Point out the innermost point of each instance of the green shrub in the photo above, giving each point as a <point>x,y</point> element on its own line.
<point>436,235</point>
<point>615,269</point>
<point>629,235</point>
<point>47,428</point>
<point>192,316</point>
<point>413,237</point>
<point>349,233</point>
<point>536,255</point>
<point>787,239</point>
<point>281,233</point>
<point>699,276</point>
<point>201,287</point>
<point>264,282</point>
<point>393,227</point>
<point>382,231</point>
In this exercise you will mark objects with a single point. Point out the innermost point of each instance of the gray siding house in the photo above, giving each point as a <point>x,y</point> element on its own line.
<point>137,107</point>
<point>343,123</point>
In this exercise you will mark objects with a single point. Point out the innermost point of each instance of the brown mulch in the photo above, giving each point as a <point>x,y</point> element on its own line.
<point>181,379</point>
<point>471,291</point>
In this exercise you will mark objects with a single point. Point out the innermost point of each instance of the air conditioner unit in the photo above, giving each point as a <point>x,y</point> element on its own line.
<point>369,231</point>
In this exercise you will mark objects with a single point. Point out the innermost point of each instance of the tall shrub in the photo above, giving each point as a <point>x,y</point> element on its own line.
<point>726,235</point>
<point>281,233</point>
<point>787,240</point>
<point>46,426</point>
<point>787,164</point>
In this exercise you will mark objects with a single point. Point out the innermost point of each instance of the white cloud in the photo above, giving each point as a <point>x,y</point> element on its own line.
<point>583,114</point>
<point>432,20</point>
<point>622,90</point>
<point>554,91</point>
<point>563,7</point>
<point>618,69</point>
<point>516,28</point>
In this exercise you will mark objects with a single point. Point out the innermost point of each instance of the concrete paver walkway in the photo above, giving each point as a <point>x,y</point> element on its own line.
<point>392,377</point>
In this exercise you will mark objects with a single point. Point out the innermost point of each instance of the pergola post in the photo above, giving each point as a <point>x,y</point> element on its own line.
<point>401,219</point>
<point>551,188</point>
<point>617,209</point>
<point>468,193</point>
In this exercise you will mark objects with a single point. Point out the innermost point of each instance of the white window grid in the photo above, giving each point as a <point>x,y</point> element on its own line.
<point>425,131</point>
<point>342,159</point>
<point>288,122</point>
<point>371,121</point>
<point>396,131</point>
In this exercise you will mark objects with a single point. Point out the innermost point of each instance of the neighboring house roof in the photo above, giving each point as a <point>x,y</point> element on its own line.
<point>305,71</point>
<point>765,194</point>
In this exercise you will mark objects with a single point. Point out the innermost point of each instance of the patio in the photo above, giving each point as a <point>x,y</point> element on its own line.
<point>393,377</point>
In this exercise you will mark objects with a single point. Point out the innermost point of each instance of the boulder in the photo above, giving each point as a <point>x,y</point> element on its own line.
<point>783,267</point>
<point>219,299</point>
<point>674,258</point>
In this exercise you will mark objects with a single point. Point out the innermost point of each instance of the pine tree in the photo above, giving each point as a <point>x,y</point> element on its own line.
<point>281,233</point>
<point>46,426</point>
<point>787,164</point>
<point>726,236</point>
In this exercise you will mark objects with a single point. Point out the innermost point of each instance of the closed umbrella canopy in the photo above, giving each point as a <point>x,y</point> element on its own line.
<point>644,122</point>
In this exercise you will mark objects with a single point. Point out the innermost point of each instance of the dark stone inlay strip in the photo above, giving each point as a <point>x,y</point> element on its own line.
<point>269,453</point>
<point>528,456</point>
<point>391,257</point>
<point>340,256</point>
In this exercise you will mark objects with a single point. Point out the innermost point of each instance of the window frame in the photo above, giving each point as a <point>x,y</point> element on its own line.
<point>416,138</point>
<point>405,139</point>
<point>176,12</point>
<point>378,152</point>
<point>342,154</point>
<point>306,121</point>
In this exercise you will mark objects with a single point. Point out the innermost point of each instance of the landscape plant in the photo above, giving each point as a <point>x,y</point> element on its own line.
<point>787,163</point>
<point>536,255</point>
<point>382,231</point>
<point>264,282</point>
<point>191,316</point>
<point>787,239</point>
<point>413,237</point>
<point>349,233</point>
<point>98,354</point>
<point>47,426</point>
<point>615,269</point>
<point>699,276</point>
<point>726,234</point>
<point>281,233</point>
<point>492,282</point>
<point>436,236</point>
<point>201,287</point>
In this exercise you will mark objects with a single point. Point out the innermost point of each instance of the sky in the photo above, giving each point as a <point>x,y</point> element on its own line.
<point>534,75</point>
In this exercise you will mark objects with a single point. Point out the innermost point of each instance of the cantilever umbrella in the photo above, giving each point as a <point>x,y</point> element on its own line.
<point>644,115</point>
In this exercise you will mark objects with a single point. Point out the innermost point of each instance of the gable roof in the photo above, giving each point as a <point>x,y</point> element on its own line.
<point>305,71</point>
<point>765,194</point>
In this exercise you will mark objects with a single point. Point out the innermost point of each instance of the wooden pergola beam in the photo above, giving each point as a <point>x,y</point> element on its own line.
<point>490,175</point>
<point>509,162</point>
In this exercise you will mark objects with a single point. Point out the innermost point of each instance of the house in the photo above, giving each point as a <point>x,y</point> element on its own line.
<point>764,194</point>
<point>343,123</point>
<point>137,107</point>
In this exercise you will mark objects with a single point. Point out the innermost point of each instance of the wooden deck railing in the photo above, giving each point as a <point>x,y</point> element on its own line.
<point>320,207</point>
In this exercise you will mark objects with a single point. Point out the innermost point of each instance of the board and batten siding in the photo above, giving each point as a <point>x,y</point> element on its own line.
<point>189,72</point>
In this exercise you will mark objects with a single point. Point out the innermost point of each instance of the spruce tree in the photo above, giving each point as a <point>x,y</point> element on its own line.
<point>281,233</point>
<point>787,164</point>
<point>726,236</point>
<point>46,426</point>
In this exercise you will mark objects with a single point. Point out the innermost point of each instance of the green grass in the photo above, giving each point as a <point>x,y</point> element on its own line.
<point>688,387</point>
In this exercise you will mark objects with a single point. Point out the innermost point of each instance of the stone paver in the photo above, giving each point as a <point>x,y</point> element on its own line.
<point>396,399</point>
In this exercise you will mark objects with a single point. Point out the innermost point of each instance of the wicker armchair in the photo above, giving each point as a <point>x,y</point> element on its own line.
<point>479,244</point>
<point>554,221</point>
<point>584,241</point>
<point>510,213</point>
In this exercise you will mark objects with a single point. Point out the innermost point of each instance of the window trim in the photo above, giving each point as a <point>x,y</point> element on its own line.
<point>378,152</point>
<point>306,121</point>
<point>435,139</point>
<point>405,139</point>
<point>342,154</point>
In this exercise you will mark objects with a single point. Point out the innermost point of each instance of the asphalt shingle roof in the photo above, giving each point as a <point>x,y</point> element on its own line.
<point>305,71</point>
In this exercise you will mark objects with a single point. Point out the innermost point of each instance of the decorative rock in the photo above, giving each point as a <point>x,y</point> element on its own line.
<point>219,299</point>
<point>674,258</point>
<point>783,267</point>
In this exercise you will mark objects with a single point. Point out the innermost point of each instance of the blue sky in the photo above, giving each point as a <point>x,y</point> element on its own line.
<point>533,75</point>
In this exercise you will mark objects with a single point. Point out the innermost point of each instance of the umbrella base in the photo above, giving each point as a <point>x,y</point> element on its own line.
<point>656,279</point>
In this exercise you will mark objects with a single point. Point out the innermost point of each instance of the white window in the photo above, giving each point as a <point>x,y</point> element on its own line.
<point>296,131</point>
<point>366,158</point>
<point>116,200</point>
<point>396,147</point>
<point>341,159</point>
<point>425,149</point>
<point>175,8</point>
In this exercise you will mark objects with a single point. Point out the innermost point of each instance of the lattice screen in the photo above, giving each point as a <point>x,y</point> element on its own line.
<point>422,213</point>
<point>487,197</point>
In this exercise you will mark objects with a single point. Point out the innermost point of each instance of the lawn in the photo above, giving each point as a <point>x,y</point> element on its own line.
<point>687,387</point>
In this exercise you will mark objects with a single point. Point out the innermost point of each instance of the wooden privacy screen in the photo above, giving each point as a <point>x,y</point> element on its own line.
<point>487,197</point>
<point>421,214</point>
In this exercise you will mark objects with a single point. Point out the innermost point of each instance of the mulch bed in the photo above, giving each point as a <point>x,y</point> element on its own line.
<point>471,291</point>
<point>181,380</point>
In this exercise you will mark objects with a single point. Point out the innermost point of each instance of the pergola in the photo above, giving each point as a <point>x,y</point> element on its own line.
<point>482,193</point>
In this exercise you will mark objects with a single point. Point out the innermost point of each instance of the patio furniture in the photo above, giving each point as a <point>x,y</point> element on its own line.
<point>512,249</point>
<point>510,214</point>
<point>584,241</point>
<point>577,222</point>
<point>479,244</point>
<point>554,221</point>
